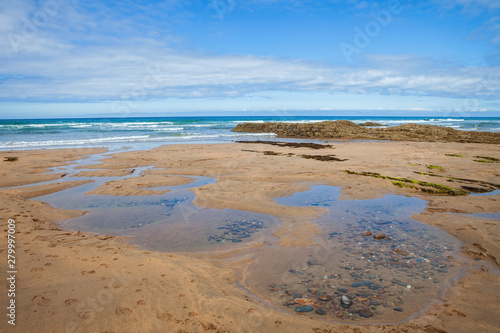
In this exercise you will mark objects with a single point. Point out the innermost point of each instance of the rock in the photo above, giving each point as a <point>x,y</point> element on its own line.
<point>312,262</point>
<point>321,312</point>
<point>361,284</point>
<point>345,302</point>
<point>325,298</point>
<point>344,129</point>
<point>398,309</point>
<point>380,235</point>
<point>304,301</point>
<point>368,233</point>
<point>400,252</point>
<point>365,313</point>
<point>304,309</point>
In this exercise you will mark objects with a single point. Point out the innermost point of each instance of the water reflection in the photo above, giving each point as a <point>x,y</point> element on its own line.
<point>167,222</point>
<point>372,263</point>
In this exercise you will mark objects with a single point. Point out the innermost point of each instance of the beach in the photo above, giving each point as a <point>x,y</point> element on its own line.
<point>250,166</point>
<point>77,281</point>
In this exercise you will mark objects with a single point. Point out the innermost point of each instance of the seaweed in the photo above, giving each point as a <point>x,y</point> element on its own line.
<point>485,161</point>
<point>324,158</point>
<point>291,144</point>
<point>414,183</point>
<point>10,159</point>
<point>435,167</point>
<point>488,186</point>
<point>454,155</point>
<point>488,159</point>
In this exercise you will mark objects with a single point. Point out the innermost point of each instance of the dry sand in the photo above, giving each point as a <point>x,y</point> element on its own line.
<point>82,282</point>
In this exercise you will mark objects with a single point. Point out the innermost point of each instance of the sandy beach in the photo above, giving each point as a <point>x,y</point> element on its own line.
<point>74,281</point>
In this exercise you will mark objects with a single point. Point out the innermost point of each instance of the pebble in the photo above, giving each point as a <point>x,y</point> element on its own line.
<point>380,235</point>
<point>367,234</point>
<point>400,252</point>
<point>345,302</point>
<point>321,312</point>
<point>365,313</point>
<point>361,284</point>
<point>303,301</point>
<point>398,309</point>
<point>304,309</point>
<point>325,298</point>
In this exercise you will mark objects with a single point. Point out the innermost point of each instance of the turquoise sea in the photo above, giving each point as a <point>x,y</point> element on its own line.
<point>144,133</point>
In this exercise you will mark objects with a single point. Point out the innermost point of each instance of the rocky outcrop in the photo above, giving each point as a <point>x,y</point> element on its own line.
<point>371,124</point>
<point>344,129</point>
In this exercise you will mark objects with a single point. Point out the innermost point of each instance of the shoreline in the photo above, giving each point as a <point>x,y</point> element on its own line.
<point>247,179</point>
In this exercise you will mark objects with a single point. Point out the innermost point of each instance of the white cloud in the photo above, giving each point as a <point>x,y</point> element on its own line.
<point>112,73</point>
<point>104,55</point>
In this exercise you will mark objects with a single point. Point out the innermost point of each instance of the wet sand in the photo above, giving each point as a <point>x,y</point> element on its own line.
<point>71,281</point>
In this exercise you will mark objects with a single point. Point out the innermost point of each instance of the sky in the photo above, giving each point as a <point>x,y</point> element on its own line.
<point>67,58</point>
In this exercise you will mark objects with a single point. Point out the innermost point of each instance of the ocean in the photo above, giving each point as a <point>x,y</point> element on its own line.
<point>147,133</point>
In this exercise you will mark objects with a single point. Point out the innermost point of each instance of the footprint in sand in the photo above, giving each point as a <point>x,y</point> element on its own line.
<point>165,316</point>
<point>70,301</point>
<point>122,311</point>
<point>40,300</point>
<point>87,314</point>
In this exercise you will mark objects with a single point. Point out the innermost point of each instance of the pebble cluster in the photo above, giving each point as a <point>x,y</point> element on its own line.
<point>383,267</point>
<point>236,231</point>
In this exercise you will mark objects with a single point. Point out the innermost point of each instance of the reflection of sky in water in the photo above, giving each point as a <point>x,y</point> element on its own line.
<point>413,254</point>
<point>487,193</point>
<point>493,216</point>
<point>166,222</point>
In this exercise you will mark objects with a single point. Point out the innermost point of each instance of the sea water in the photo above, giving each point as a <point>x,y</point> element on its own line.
<point>146,133</point>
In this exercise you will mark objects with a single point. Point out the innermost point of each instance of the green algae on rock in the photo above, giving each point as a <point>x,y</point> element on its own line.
<point>415,184</point>
<point>487,159</point>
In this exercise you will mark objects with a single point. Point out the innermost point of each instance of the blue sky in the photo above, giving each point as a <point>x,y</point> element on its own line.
<point>71,57</point>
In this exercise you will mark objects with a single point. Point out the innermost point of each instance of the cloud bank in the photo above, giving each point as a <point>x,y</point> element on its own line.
<point>89,51</point>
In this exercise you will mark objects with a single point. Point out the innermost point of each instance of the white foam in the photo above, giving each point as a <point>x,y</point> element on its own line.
<point>135,138</point>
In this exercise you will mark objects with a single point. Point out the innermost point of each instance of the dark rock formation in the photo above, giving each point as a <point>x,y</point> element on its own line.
<point>344,129</point>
